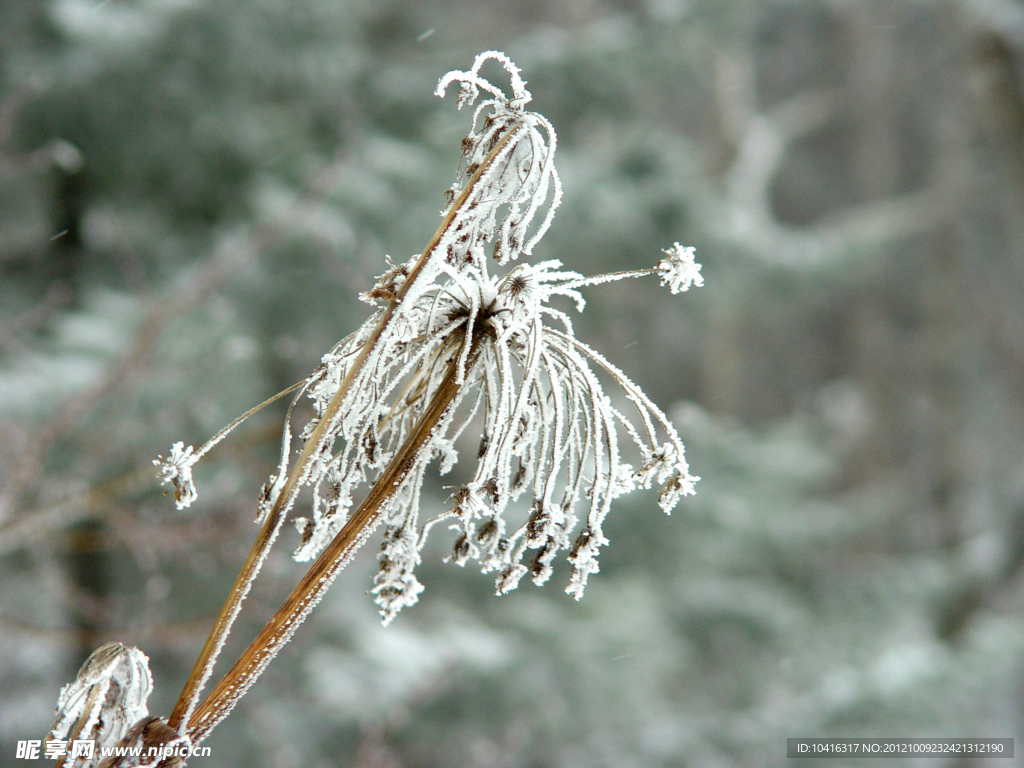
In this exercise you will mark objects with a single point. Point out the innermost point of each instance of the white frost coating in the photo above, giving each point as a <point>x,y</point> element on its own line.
<point>679,270</point>
<point>176,470</point>
<point>550,432</point>
<point>524,180</point>
<point>106,698</point>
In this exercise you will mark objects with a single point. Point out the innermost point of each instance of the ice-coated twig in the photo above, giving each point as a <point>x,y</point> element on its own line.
<point>176,469</point>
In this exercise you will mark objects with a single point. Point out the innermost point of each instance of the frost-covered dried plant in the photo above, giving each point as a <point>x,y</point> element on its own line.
<point>106,698</point>
<point>455,349</point>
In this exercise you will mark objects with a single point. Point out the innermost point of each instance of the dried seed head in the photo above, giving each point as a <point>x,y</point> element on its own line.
<point>519,284</point>
<point>678,270</point>
<point>509,578</point>
<point>488,533</point>
<point>541,565</point>
<point>512,366</point>
<point>108,695</point>
<point>462,550</point>
<point>388,284</point>
<point>176,469</point>
<point>396,586</point>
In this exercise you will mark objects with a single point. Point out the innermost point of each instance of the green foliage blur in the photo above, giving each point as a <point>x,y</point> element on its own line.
<point>192,194</point>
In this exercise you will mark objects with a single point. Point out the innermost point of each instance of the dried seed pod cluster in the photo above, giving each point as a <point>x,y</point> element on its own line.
<point>553,434</point>
<point>106,699</point>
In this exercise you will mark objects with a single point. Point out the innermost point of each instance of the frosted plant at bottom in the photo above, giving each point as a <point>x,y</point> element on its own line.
<point>106,698</point>
<point>458,355</point>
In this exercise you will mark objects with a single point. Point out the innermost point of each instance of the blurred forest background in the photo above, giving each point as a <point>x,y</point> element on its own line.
<point>192,193</point>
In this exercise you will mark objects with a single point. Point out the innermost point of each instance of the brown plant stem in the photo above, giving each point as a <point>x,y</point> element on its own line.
<point>203,667</point>
<point>228,613</point>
